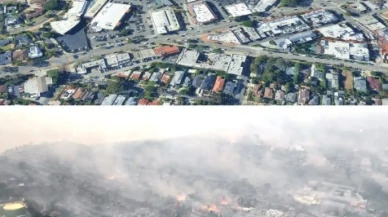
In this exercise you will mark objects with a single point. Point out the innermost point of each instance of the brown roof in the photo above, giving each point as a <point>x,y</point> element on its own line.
<point>268,93</point>
<point>79,93</point>
<point>3,88</point>
<point>377,101</point>
<point>135,76</point>
<point>304,96</point>
<point>219,85</point>
<point>166,50</point>
<point>374,83</point>
<point>19,55</point>
<point>155,102</point>
<point>143,102</point>
<point>256,89</point>
<point>34,13</point>
<point>273,86</point>
<point>166,78</point>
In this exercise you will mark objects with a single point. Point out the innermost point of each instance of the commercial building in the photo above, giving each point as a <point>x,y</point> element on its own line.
<point>344,50</point>
<point>71,18</point>
<point>164,21</point>
<point>37,85</point>
<point>225,37</point>
<point>34,52</point>
<point>287,25</point>
<point>341,31</point>
<point>110,16</point>
<point>285,43</point>
<point>166,50</point>
<point>320,17</point>
<point>201,13</point>
<point>264,5</point>
<point>238,10</point>
<point>371,23</point>
<point>100,64</point>
<point>231,64</point>
<point>94,7</point>
<point>115,60</point>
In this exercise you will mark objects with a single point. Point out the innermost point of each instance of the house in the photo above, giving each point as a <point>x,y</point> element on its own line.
<point>178,78</point>
<point>5,42</point>
<point>34,13</point>
<point>146,76</point>
<point>360,84</point>
<point>339,98</point>
<point>377,101</point>
<point>208,82</point>
<point>131,101</point>
<point>99,99</point>
<point>155,77</point>
<point>3,89</point>
<point>79,93</point>
<point>219,85</point>
<point>166,78</point>
<point>332,80</point>
<point>304,96</point>
<point>384,87</point>
<point>20,55</point>
<point>315,73</point>
<point>291,97</point>
<point>37,85</point>
<point>34,52</point>
<point>154,102</point>
<point>326,100</point>
<point>88,96</point>
<point>280,95</point>
<point>290,70</point>
<point>229,87</point>
<point>197,81</point>
<point>268,93</point>
<point>22,40</point>
<point>374,83</point>
<point>135,75</point>
<point>11,20</point>
<point>109,100</point>
<point>6,58</point>
<point>143,102</point>
<point>187,81</point>
<point>314,100</point>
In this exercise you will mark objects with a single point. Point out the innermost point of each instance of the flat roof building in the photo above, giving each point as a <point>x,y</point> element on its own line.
<point>36,86</point>
<point>110,16</point>
<point>341,31</point>
<point>94,7</point>
<point>164,21</point>
<point>264,5</point>
<point>371,23</point>
<point>320,17</point>
<point>201,12</point>
<point>71,18</point>
<point>238,10</point>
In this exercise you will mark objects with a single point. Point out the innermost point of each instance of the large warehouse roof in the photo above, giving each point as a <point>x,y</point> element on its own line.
<point>165,21</point>
<point>77,9</point>
<point>110,16</point>
<point>64,26</point>
<point>94,7</point>
<point>201,12</point>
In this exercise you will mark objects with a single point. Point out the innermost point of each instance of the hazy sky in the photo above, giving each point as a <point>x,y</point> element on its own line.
<point>93,125</point>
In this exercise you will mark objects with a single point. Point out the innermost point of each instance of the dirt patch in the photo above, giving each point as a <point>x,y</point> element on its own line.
<point>348,80</point>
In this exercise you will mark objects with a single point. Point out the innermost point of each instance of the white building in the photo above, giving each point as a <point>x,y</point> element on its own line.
<point>201,12</point>
<point>34,52</point>
<point>37,85</point>
<point>347,51</point>
<point>71,18</point>
<point>320,17</point>
<point>341,31</point>
<point>110,16</point>
<point>164,21</point>
<point>287,25</point>
<point>238,10</point>
<point>264,5</point>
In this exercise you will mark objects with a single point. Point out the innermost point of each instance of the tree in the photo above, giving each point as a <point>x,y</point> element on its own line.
<point>296,77</point>
<point>57,76</point>
<point>323,84</point>
<point>289,3</point>
<point>52,5</point>
<point>47,35</point>
<point>218,50</point>
<point>248,23</point>
<point>114,87</point>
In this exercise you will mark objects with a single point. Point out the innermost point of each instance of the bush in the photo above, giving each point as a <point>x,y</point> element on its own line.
<point>52,5</point>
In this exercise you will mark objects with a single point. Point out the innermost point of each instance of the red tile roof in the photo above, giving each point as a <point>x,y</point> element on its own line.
<point>166,50</point>
<point>166,78</point>
<point>374,83</point>
<point>268,93</point>
<point>143,102</point>
<point>256,89</point>
<point>155,102</point>
<point>219,85</point>
<point>79,93</point>
<point>135,75</point>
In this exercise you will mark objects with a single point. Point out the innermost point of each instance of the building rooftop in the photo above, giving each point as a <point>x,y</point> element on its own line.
<point>36,85</point>
<point>34,52</point>
<point>136,75</point>
<point>374,83</point>
<point>320,17</point>
<point>94,7</point>
<point>109,100</point>
<point>237,10</point>
<point>264,5</point>
<point>79,93</point>
<point>110,16</point>
<point>164,21</point>
<point>166,50</point>
<point>341,31</point>
<point>64,26</point>
<point>201,12</point>
<point>208,82</point>
<point>178,78</point>
<point>371,22</point>
<point>119,100</point>
<point>219,85</point>
<point>6,58</point>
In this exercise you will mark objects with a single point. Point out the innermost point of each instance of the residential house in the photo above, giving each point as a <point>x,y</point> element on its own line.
<point>290,70</point>
<point>268,93</point>
<point>332,80</point>
<point>197,81</point>
<point>187,81</point>
<point>291,97</point>
<point>143,102</point>
<point>135,75</point>
<point>280,96</point>
<point>79,93</point>
<point>377,101</point>
<point>109,100</point>
<point>229,87</point>
<point>99,98</point>
<point>6,58</point>
<point>34,52</point>
<point>20,55</point>
<point>219,84</point>
<point>374,83</point>
<point>360,84</point>
<point>304,96</point>
<point>154,102</point>
<point>208,82</point>
<point>339,98</point>
<point>119,100</point>
<point>314,100</point>
<point>34,13</point>
<point>326,100</point>
<point>146,76</point>
<point>384,87</point>
<point>178,78</point>
<point>88,96</point>
<point>5,42</point>
<point>155,77</point>
<point>315,73</point>
<point>22,40</point>
<point>131,101</point>
<point>166,79</point>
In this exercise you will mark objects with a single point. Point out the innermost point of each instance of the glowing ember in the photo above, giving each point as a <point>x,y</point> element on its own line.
<point>211,208</point>
<point>181,197</point>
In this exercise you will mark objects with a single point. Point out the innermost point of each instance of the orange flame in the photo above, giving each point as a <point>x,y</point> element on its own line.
<point>211,208</point>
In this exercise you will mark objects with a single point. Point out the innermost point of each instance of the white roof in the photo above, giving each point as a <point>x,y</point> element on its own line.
<point>236,65</point>
<point>226,37</point>
<point>264,5</point>
<point>64,26</point>
<point>77,9</point>
<point>164,21</point>
<point>341,32</point>
<point>110,16</point>
<point>202,12</point>
<point>36,85</point>
<point>237,10</point>
<point>371,23</point>
<point>34,52</point>
<point>94,7</point>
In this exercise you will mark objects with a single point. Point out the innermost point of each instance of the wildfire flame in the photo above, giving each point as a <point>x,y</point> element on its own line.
<point>211,208</point>
<point>181,197</point>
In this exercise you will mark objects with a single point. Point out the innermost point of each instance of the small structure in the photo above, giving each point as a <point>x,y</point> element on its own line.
<point>34,52</point>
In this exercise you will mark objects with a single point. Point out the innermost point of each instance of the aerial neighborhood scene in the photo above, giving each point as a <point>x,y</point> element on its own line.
<point>193,52</point>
